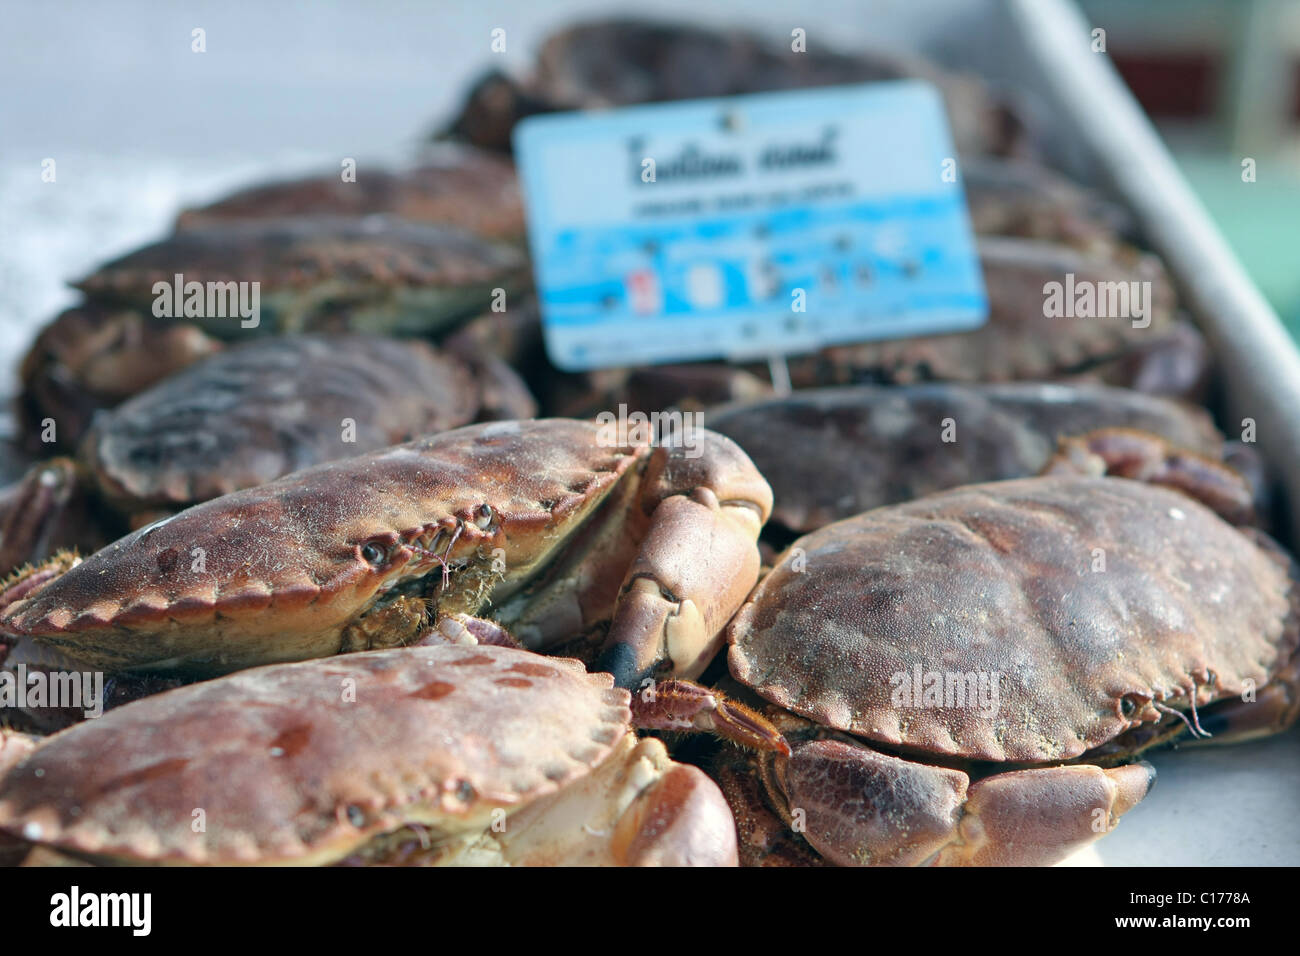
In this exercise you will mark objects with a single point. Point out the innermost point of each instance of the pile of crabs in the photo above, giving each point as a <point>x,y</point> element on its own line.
<point>367,584</point>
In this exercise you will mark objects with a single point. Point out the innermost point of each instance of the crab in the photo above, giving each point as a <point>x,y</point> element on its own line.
<point>836,452</point>
<point>416,756</point>
<point>1028,200</point>
<point>408,252</point>
<point>317,273</point>
<point>92,357</point>
<point>456,186</point>
<point>560,530</point>
<point>971,677</point>
<point>245,416</point>
<point>1019,342</point>
<point>622,61</point>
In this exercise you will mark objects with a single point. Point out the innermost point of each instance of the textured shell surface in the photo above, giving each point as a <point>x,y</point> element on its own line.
<point>292,547</point>
<point>302,251</point>
<point>454,185</point>
<point>306,762</point>
<point>1070,593</point>
<point>833,453</point>
<point>264,409</point>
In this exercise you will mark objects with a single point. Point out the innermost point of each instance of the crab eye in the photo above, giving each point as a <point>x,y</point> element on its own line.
<point>484,517</point>
<point>372,553</point>
<point>1126,706</point>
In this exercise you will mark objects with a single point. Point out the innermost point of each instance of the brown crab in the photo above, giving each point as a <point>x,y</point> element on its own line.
<point>315,273</point>
<point>625,60</point>
<point>453,185</point>
<point>559,529</point>
<point>836,452</point>
<point>967,678</point>
<point>1028,200</point>
<point>92,357</point>
<point>422,755</point>
<point>1019,341</point>
<point>245,416</point>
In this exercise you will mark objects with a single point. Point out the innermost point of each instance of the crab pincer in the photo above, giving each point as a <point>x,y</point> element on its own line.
<point>685,705</point>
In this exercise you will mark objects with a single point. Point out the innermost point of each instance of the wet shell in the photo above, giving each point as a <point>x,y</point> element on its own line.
<point>1019,342</point>
<point>1000,579</point>
<point>455,186</point>
<point>320,273</point>
<point>307,762</point>
<point>284,558</point>
<point>261,410</point>
<point>832,453</point>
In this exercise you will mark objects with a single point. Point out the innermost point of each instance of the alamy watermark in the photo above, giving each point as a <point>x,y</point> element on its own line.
<point>208,300</point>
<point>40,688</point>
<point>673,429</point>
<point>1086,299</point>
<point>957,690</point>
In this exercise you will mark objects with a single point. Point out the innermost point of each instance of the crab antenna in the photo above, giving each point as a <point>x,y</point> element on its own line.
<point>446,570</point>
<point>1164,709</point>
<point>1196,720</point>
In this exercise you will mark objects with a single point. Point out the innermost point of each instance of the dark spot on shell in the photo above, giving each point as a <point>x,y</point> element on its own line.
<point>465,791</point>
<point>167,560</point>
<point>436,690</point>
<point>514,682</point>
<point>476,660</point>
<point>532,670</point>
<point>289,743</point>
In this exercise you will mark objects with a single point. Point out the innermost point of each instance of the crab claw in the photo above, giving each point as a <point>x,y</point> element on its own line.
<point>685,705</point>
<point>697,562</point>
<point>1038,817</point>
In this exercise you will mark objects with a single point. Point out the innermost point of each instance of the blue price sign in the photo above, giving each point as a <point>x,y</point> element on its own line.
<point>748,226</point>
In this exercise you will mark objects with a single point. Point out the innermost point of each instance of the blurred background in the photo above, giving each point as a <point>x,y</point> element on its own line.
<point>1221,79</point>
<point>138,124</point>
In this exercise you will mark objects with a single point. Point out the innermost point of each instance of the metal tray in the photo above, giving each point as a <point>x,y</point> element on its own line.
<point>1236,805</point>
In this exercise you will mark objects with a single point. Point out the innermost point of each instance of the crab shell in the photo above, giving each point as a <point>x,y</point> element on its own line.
<point>1025,199</point>
<point>320,273</point>
<point>1019,342</point>
<point>624,60</point>
<point>1003,580</point>
<point>454,185</point>
<point>93,356</point>
<point>261,410</point>
<point>432,754</point>
<point>833,453</point>
<point>554,524</point>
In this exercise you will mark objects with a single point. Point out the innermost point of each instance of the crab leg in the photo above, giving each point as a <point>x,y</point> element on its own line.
<point>696,564</point>
<point>858,807</point>
<point>685,705</point>
<point>1142,456</point>
<point>463,629</point>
